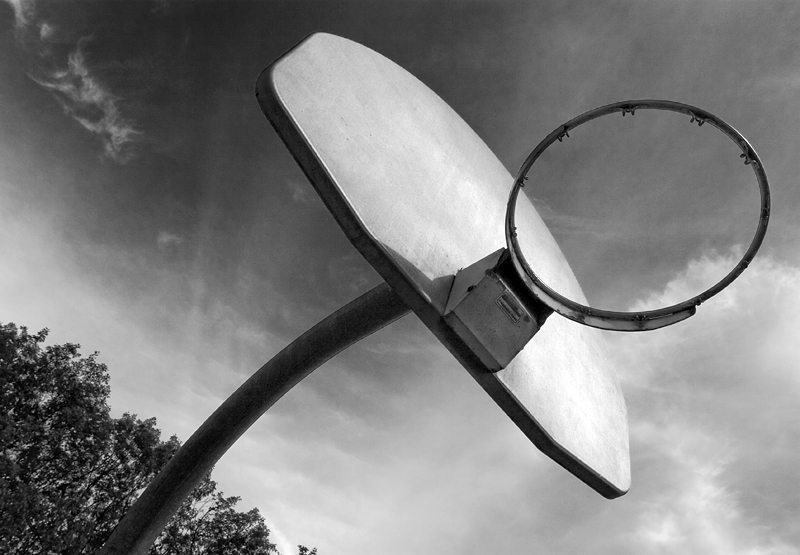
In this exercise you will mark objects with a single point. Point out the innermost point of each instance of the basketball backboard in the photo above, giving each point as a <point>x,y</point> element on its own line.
<point>420,195</point>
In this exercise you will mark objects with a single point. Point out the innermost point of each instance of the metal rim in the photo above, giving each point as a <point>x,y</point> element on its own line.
<point>651,319</point>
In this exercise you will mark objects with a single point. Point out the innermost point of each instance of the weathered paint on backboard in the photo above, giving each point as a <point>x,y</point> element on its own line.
<point>420,196</point>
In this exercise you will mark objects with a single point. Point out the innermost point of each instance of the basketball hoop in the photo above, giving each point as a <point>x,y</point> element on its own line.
<point>651,319</point>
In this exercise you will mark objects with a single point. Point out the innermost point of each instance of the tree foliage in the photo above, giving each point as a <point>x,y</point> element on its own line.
<point>69,471</point>
<point>208,523</point>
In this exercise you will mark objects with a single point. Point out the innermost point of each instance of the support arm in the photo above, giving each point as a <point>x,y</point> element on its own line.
<point>148,516</point>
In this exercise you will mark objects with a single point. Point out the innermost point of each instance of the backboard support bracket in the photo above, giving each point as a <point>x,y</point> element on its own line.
<point>492,311</point>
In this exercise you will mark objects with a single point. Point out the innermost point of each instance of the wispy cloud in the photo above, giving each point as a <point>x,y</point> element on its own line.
<point>88,102</point>
<point>80,93</point>
<point>46,31</point>
<point>165,239</point>
<point>23,11</point>
<point>598,228</point>
<point>301,192</point>
<point>162,7</point>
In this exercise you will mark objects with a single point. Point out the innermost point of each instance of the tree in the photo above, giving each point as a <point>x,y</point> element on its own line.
<point>69,471</point>
<point>207,523</point>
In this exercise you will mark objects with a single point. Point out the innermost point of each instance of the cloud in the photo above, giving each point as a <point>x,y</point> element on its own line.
<point>167,357</point>
<point>705,513</point>
<point>162,7</point>
<point>350,275</point>
<point>165,239</point>
<point>79,92</point>
<point>598,228</point>
<point>46,31</point>
<point>713,405</point>
<point>23,11</point>
<point>92,105</point>
<point>301,192</point>
<point>349,461</point>
<point>707,269</point>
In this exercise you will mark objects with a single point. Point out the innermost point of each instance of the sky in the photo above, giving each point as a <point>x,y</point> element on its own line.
<point>149,212</point>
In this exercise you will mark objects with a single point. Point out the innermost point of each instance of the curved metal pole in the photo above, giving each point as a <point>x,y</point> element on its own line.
<point>148,516</point>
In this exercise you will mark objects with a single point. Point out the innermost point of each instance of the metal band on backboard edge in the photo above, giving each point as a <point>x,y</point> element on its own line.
<point>651,319</point>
